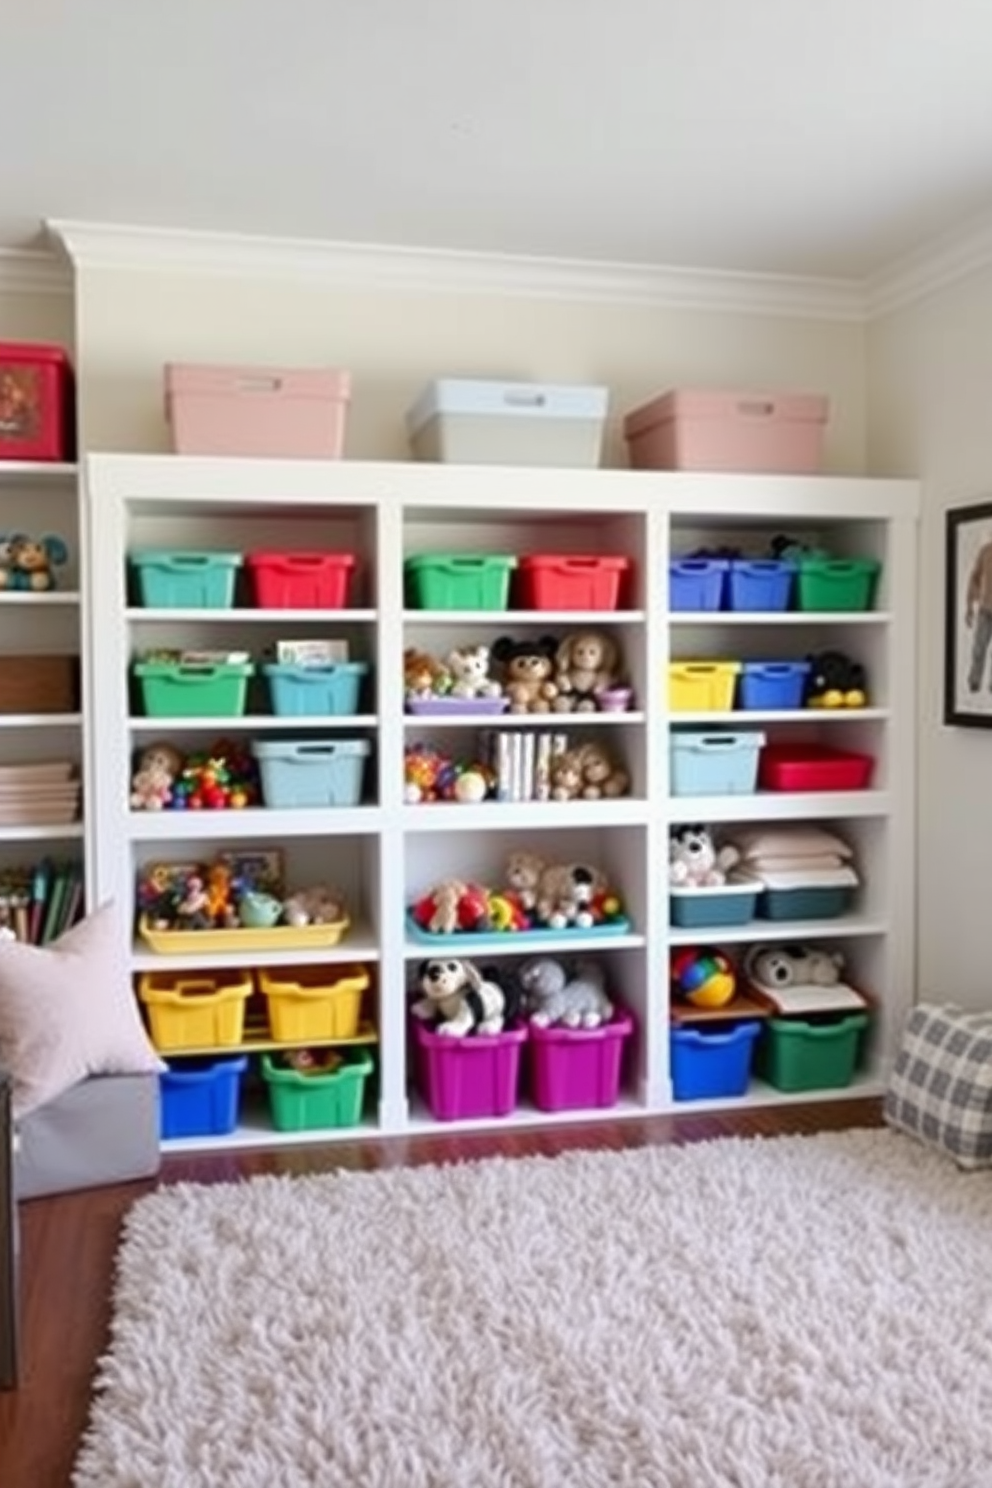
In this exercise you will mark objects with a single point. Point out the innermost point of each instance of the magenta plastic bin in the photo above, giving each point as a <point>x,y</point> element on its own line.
<point>576,1069</point>
<point>476,1076</point>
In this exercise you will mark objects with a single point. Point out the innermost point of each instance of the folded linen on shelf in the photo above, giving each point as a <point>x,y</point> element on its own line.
<point>842,876</point>
<point>782,863</point>
<point>791,841</point>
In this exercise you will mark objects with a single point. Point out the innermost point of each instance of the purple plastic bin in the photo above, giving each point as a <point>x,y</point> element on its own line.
<point>455,707</point>
<point>461,1078</point>
<point>575,1069</point>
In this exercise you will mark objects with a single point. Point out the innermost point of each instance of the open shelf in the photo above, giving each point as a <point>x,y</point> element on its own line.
<point>506,619</point>
<point>249,724</point>
<point>252,822</point>
<point>779,806</point>
<point>788,930</point>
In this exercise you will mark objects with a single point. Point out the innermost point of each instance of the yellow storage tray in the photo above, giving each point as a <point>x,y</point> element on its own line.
<point>702,686</point>
<point>273,938</point>
<point>195,1010</point>
<point>313,1002</point>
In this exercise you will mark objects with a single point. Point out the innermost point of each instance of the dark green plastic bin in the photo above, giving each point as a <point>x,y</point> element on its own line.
<point>458,581</point>
<point>807,1054</point>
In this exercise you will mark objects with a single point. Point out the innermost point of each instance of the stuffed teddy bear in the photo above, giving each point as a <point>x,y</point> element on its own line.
<point>318,905</point>
<point>835,681</point>
<point>158,769</point>
<point>565,895</point>
<point>523,877</point>
<point>459,998</point>
<point>574,997</point>
<point>585,664</point>
<point>423,676</point>
<point>694,860</point>
<point>469,669</point>
<point>793,966</point>
<point>586,773</point>
<point>29,563</point>
<point>527,668</point>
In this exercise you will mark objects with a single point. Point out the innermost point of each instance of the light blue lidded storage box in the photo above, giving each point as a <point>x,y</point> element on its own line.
<point>486,422</point>
<point>311,772</point>
<point>715,763</point>
<point>170,580</point>
<point>330,691</point>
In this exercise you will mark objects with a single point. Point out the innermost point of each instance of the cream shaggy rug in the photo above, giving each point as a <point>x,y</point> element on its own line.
<point>790,1313</point>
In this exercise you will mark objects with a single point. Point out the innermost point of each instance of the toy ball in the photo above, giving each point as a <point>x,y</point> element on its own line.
<point>703,977</point>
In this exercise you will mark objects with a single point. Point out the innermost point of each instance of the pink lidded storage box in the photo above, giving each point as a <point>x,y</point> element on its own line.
<point>257,411</point>
<point>686,429</point>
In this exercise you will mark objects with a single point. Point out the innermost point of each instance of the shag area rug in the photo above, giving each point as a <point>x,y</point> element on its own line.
<point>797,1312</point>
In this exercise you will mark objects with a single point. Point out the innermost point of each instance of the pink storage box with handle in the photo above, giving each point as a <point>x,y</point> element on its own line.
<point>274,412</point>
<point>771,433</point>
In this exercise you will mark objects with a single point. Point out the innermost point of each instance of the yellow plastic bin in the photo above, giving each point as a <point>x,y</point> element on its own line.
<point>702,686</point>
<point>195,1010</point>
<point>313,1002</point>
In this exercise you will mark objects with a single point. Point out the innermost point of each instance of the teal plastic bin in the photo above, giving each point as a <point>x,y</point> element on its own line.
<point>311,772</point>
<point>458,581</point>
<point>173,689</point>
<point>170,580</point>
<point>331,691</point>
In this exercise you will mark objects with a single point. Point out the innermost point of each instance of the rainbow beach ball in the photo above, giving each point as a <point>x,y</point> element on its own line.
<point>703,977</point>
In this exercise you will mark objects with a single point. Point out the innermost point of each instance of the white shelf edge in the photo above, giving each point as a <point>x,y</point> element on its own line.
<point>571,942</point>
<point>761,930</point>
<point>743,716</point>
<point>783,617</point>
<point>516,815</point>
<point>358,945</point>
<point>40,720</point>
<point>256,1133</point>
<point>46,599</point>
<point>60,832</point>
<point>249,723</point>
<point>864,1086</point>
<point>421,1123</point>
<point>556,722</point>
<point>505,618</point>
<point>778,806</point>
<point>137,615</point>
<point>40,472</point>
<point>253,821</point>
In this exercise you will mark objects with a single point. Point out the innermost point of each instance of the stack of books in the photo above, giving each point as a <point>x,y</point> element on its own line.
<point>38,904</point>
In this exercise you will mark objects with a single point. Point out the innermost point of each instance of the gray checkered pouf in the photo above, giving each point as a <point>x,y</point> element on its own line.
<point>941,1087</point>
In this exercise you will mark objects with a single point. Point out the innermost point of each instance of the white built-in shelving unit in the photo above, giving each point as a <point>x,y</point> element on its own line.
<point>385,853</point>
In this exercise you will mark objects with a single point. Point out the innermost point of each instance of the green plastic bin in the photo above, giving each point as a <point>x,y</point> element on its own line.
<point>171,580</point>
<point>806,1054</point>
<point>172,689</point>
<point>317,1102</point>
<point>458,581</point>
<point>837,583</point>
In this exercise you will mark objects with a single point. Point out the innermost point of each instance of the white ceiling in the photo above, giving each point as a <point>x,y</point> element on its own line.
<point>822,137</point>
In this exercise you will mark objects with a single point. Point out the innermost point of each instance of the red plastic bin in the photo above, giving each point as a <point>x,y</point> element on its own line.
<point>813,767</point>
<point>300,581</point>
<point>568,582</point>
<point>37,411</point>
<point>576,1069</point>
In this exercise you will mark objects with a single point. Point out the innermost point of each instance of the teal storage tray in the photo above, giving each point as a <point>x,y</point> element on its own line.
<point>311,772</point>
<point>172,689</point>
<point>458,581</point>
<point>331,691</point>
<point>707,909</point>
<point>821,902</point>
<point>172,580</point>
<point>505,940</point>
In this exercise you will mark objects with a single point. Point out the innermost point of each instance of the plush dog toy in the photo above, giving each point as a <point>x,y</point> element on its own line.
<point>459,998</point>
<point>572,996</point>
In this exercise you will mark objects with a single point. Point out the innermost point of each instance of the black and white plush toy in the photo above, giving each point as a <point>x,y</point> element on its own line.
<point>460,999</point>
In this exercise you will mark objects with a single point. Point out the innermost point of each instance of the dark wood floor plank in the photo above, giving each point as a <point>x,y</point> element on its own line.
<point>68,1244</point>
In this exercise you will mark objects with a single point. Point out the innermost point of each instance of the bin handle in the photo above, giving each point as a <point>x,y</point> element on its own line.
<point>524,398</point>
<point>181,561</point>
<point>303,560</point>
<point>579,563</point>
<point>698,668</point>
<point>318,751</point>
<point>193,672</point>
<point>718,741</point>
<point>755,407</point>
<point>691,565</point>
<point>840,566</point>
<point>467,562</point>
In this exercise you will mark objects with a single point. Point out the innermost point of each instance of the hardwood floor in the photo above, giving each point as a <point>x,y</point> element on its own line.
<point>68,1245</point>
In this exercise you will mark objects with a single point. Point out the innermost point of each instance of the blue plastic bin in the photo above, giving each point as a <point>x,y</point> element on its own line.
<point>712,1061</point>
<point>772,684</point>
<point>696,583</point>
<point>714,764</point>
<point>315,692</point>
<point>311,772</point>
<point>170,580</point>
<point>760,584</point>
<point>200,1097</point>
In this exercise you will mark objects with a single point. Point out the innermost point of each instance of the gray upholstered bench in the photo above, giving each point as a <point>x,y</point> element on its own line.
<point>103,1130</point>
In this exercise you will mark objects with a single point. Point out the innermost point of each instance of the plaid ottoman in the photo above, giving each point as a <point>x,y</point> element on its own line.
<point>941,1086</point>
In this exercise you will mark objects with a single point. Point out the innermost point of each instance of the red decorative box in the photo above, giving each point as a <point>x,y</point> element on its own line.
<point>37,412</point>
<point>813,767</point>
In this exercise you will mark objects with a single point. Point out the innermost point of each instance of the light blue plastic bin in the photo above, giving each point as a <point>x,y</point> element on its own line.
<point>311,772</point>
<point>316,691</point>
<point>714,764</point>
<point>170,580</point>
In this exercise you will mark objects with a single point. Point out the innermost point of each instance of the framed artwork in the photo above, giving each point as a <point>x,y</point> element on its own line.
<point>968,620</point>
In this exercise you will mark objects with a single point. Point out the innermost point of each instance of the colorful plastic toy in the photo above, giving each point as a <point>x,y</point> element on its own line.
<point>703,976</point>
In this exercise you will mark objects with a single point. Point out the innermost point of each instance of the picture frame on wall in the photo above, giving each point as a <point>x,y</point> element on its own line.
<point>968,617</point>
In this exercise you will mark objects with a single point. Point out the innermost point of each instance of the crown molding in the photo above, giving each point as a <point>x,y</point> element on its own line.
<point>934,265</point>
<point>379,266</point>
<point>33,271</point>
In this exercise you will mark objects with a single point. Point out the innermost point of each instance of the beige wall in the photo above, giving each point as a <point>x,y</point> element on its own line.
<point>930,412</point>
<point>130,323</point>
<point>36,317</point>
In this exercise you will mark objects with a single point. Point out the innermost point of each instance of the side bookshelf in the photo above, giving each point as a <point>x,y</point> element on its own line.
<point>385,852</point>
<point>44,827</point>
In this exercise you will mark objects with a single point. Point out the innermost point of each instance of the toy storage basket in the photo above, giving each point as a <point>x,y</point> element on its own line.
<point>837,583</point>
<point>696,583</point>
<point>311,772</point>
<point>709,908</point>
<point>711,1062</point>
<point>702,686</point>
<point>201,1097</point>
<point>195,1010</point>
<point>799,1054</point>
<point>465,1078</point>
<point>772,685</point>
<point>458,581</point>
<point>546,582</point>
<point>480,421</point>
<point>760,584</point>
<point>330,691</point>
<point>303,581</point>
<point>186,581</point>
<point>317,1102</point>
<point>716,764</point>
<point>313,1002</point>
<point>172,689</point>
<point>574,1069</point>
